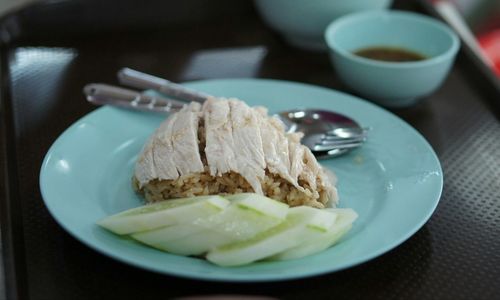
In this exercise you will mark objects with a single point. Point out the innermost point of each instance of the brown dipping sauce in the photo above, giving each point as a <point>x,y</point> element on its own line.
<point>390,54</point>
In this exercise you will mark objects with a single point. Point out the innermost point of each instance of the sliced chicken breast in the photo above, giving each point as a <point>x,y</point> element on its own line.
<point>186,154</point>
<point>219,149</point>
<point>247,145</point>
<point>226,136</point>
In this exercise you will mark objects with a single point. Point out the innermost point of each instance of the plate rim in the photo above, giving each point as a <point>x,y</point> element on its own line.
<point>241,277</point>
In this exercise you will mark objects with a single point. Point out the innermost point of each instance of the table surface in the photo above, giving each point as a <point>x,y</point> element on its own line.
<point>455,255</point>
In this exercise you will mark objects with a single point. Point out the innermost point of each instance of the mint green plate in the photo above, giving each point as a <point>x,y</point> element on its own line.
<point>394,182</point>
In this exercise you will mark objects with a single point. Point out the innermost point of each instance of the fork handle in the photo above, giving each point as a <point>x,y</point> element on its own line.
<point>143,81</point>
<point>103,94</point>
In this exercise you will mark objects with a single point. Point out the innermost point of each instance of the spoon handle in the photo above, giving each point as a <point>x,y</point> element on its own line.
<point>143,81</point>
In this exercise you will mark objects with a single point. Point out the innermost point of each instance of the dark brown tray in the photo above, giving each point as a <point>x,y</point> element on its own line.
<point>50,50</point>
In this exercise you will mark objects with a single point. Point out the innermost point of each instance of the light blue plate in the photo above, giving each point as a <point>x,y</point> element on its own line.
<point>394,182</point>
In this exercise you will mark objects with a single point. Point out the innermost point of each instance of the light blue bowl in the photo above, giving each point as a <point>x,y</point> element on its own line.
<point>303,22</point>
<point>392,84</point>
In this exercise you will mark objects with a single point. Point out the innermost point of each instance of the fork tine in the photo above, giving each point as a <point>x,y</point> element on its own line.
<point>338,138</point>
<point>340,142</point>
<point>363,131</point>
<point>327,147</point>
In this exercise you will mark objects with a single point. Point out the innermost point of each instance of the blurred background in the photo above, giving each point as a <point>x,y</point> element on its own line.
<point>482,17</point>
<point>9,5</point>
<point>92,20</point>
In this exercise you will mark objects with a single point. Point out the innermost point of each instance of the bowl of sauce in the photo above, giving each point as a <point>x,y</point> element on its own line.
<point>394,58</point>
<point>390,54</point>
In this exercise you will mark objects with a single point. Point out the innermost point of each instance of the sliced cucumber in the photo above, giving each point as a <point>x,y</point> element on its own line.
<point>302,223</point>
<point>163,213</point>
<point>235,231</point>
<point>196,243</point>
<point>248,215</point>
<point>345,218</point>
<point>165,235</point>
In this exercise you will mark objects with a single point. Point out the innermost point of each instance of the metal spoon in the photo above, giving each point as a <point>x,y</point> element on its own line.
<point>326,133</point>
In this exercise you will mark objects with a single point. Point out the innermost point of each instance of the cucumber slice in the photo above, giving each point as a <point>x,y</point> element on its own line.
<point>183,239</point>
<point>302,223</point>
<point>345,218</point>
<point>165,235</point>
<point>260,204</point>
<point>248,215</point>
<point>196,243</point>
<point>163,213</point>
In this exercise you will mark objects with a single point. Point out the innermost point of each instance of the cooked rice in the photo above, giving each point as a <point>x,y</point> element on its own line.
<point>199,184</point>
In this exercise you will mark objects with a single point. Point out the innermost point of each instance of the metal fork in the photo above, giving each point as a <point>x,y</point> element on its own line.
<point>340,139</point>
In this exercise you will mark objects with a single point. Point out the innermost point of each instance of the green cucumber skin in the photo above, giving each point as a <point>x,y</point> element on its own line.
<point>260,204</point>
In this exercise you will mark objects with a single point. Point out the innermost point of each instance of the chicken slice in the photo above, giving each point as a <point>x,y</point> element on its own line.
<point>247,143</point>
<point>306,168</point>
<point>145,169</point>
<point>310,170</point>
<point>184,140</point>
<point>296,152</point>
<point>327,180</point>
<point>163,151</point>
<point>155,160</point>
<point>173,148</point>
<point>275,146</point>
<point>219,148</point>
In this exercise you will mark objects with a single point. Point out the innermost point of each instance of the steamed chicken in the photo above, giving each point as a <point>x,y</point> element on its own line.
<point>226,147</point>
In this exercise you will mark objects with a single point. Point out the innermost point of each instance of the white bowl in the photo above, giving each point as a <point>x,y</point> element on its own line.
<point>303,22</point>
